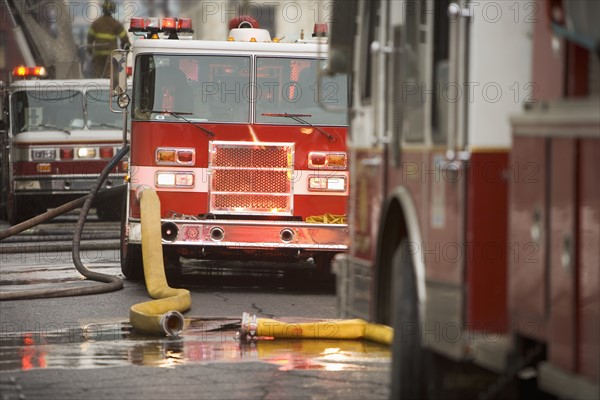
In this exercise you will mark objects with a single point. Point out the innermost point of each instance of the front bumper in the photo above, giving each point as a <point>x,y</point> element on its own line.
<point>242,234</point>
<point>58,184</point>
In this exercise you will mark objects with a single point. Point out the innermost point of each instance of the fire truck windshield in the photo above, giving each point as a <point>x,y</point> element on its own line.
<point>209,88</point>
<point>99,115</point>
<point>203,88</point>
<point>42,110</point>
<point>290,85</point>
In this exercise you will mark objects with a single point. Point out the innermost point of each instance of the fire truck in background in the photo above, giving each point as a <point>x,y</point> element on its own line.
<point>232,136</point>
<point>56,137</point>
<point>474,216</point>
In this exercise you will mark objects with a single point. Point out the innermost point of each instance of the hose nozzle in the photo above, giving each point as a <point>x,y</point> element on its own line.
<point>172,323</point>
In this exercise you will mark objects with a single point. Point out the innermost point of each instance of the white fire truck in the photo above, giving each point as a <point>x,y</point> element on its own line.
<point>473,214</point>
<point>56,137</point>
<point>233,137</point>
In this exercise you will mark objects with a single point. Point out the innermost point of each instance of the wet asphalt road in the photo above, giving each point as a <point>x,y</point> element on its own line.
<point>84,347</point>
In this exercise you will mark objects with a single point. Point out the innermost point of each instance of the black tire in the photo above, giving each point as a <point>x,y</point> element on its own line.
<point>132,265</point>
<point>323,265</point>
<point>108,213</point>
<point>22,209</point>
<point>322,276</point>
<point>172,266</point>
<point>408,357</point>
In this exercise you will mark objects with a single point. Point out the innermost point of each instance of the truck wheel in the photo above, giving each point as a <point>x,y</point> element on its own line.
<point>20,209</point>
<point>408,357</point>
<point>322,276</point>
<point>172,266</point>
<point>131,262</point>
<point>323,264</point>
<point>108,213</point>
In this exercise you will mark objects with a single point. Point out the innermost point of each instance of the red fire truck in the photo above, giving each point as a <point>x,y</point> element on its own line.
<point>56,137</point>
<point>234,138</point>
<point>474,209</point>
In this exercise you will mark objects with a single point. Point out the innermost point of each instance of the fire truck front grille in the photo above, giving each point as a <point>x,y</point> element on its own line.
<point>260,157</point>
<point>251,178</point>
<point>255,202</point>
<point>250,181</point>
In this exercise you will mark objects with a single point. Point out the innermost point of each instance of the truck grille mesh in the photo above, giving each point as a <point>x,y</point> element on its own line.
<point>251,178</point>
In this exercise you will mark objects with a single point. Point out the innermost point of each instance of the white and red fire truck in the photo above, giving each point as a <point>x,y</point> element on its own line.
<point>57,137</point>
<point>235,140</point>
<point>474,216</point>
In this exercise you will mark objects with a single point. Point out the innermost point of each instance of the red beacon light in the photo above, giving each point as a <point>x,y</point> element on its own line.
<point>22,71</point>
<point>149,26</point>
<point>243,21</point>
<point>320,30</point>
<point>168,25</point>
<point>137,24</point>
<point>185,25</point>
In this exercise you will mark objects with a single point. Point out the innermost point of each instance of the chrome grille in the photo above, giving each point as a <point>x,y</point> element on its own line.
<point>251,178</point>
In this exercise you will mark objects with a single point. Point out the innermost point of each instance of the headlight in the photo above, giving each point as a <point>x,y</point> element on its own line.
<point>331,183</point>
<point>175,179</point>
<point>86,152</point>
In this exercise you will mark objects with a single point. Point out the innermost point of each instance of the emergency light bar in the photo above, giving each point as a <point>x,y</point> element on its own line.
<point>28,72</point>
<point>151,26</point>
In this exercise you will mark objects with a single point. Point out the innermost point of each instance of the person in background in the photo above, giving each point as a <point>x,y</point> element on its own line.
<point>103,37</point>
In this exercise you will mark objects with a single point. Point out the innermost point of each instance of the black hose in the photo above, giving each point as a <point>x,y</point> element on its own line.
<point>96,276</point>
<point>109,283</point>
<point>55,212</point>
<point>15,229</point>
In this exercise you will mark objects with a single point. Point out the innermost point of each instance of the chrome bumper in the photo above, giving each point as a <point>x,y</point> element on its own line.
<point>56,184</point>
<point>242,234</point>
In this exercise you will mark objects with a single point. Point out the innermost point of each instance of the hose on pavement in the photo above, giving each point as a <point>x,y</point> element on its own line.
<point>109,283</point>
<point>253,328</point>
<point>161,316</point>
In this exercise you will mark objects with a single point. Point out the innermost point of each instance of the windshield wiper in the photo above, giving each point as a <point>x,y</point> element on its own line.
<point>106,126</point>
<point>179,115</point>
<point>47,126</point>
<point>298,118</point>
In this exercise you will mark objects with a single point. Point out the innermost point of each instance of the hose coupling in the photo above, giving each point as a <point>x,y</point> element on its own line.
<point>172,323</point>
<point>139,190</point>
<point>248,327</point>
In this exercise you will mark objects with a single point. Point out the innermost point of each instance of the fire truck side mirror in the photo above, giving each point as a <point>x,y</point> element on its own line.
<point>123,100</point>
<point>118,78</point>
<point>341,42</point>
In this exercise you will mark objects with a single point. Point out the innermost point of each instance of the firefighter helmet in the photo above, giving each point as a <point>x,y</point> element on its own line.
<point>109,7</point>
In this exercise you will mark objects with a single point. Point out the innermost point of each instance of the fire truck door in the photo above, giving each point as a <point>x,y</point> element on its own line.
<point>4,146</point>
<point>563,249</point>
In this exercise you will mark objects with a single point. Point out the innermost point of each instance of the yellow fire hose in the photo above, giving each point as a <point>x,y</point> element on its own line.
<point>253,327</point>
<point>161,316</point>
<point>327,219</point>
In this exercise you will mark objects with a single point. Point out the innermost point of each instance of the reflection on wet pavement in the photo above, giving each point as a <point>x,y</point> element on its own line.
<point>205,340</point>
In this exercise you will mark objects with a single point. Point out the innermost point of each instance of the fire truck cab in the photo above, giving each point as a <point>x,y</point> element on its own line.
<point>233,137</point>
<point>56,136</point>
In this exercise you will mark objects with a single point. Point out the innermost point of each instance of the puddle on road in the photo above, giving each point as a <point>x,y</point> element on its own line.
<point>205,340</point>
